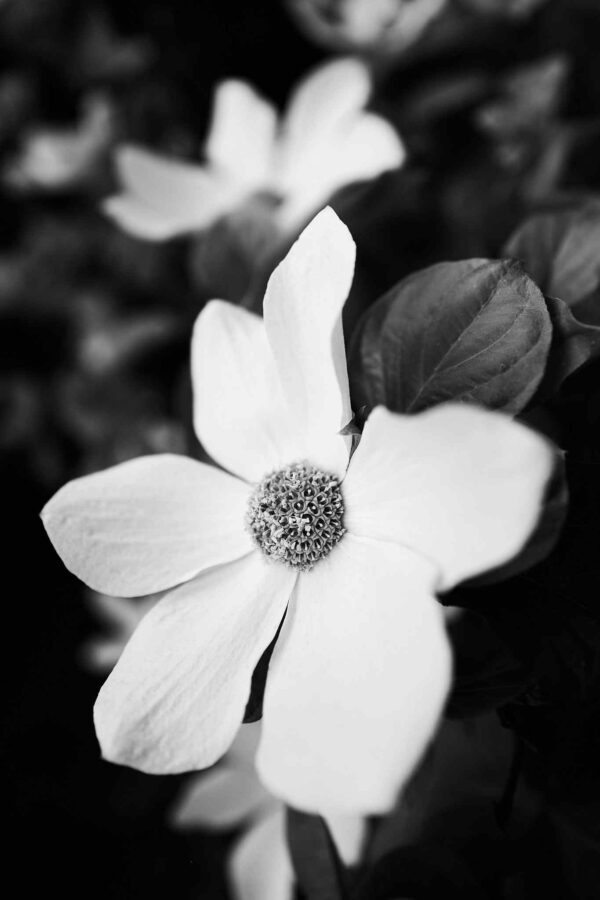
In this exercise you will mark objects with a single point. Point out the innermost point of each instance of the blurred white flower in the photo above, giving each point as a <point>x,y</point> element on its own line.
<point>230,796</point>
<point>324,141</point>
<point>57,158</point>
<point>365,25</point>
<point>351,551</point>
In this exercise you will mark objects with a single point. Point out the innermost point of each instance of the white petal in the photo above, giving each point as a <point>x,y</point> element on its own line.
<point>461,485</point>
<point>330,141</point>
<point>137,218</point>
<point>176,698</point>
<point>242,134</point>
<point>371,146</point>
<point>331,94</point>
<point>357,681</point>
<point>221,799</point>
<point>163,198</point>
<point>360,151</point>
<point>260,867</point>
<point>303,317</point>
<point>240,414</point>
<point>148,524</point>
<point>348,833</point>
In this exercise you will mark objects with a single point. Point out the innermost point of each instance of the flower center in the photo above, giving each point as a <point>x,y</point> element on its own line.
<point>295,515</point>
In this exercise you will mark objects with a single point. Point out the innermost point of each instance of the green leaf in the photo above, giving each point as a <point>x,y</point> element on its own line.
<point>474,331</point>
<point>319,871</point>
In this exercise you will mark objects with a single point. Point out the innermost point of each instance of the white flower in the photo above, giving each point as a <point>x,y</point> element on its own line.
<point>231,795</point>
<point>383,25</point>
<point>324,140</point>
<point>54,159</point>
<point>361,668</point>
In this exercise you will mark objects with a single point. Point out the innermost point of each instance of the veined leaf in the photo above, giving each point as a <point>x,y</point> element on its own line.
<point>474,331</point>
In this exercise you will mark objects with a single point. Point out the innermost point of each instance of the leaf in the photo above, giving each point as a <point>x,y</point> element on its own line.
<point>428,871</point>
<point>476,331</point>
<point>560,251</point>
<point>319,870</point>
<point>573,345</point>
<point>450,805</point>
<point>254,705</point>
<point>529,98</point>
<point>486,673</point>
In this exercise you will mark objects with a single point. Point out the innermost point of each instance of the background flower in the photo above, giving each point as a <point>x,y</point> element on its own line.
<point>324,141</point>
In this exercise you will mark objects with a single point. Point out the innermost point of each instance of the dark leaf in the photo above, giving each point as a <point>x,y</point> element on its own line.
<point>429,871</point>
<point>529,97</point>
<point>561,253</point>
<point>475,331</point>
<point>319,870</point>
<point>486,673</point>
<point>253,711</point>
<point>574,343</point>
<point>226,260</point>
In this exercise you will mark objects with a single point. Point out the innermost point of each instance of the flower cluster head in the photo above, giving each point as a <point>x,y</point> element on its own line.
<point>324,141</point>
<point>361,667</point>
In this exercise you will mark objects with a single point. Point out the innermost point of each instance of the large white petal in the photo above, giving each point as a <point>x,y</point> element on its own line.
<point>176,698</point>
<point>461,485</point>
<point>242,134</point>
<point>148,524</point>
<point>240,414</point>
<point>303,317</point>
<point>223,798</point>
<point>357,681</point>
<point>260,867</point>
<point>163,198</point>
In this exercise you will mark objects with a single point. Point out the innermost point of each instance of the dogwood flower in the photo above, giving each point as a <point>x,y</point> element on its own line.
<point>324,141</point>
<point>351,551</point>
<point>231,795</point>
